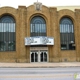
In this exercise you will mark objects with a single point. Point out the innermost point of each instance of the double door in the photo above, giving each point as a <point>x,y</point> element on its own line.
<point>38,56</point>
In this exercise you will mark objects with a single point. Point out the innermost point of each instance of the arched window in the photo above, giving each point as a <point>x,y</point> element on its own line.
<point>38,26</point>
<point>7,33</point>
<point>67,34</point>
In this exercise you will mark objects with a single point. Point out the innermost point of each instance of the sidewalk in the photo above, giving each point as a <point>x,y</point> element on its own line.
<point>39,65</point>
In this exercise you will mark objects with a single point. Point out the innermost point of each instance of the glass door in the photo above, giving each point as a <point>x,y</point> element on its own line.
<point>38,56</point>
<point>34,56</point>
<point>43,56</point>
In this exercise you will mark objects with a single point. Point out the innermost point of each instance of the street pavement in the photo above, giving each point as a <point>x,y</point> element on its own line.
<point>39,71</point>
<point>35,65</point>
<point>66,73</point>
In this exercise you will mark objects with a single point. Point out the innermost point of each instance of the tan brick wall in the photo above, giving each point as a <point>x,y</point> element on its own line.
<point>66,55</point>
<point>9,56</point>
<point>23,16</point>
<point>77,31</point>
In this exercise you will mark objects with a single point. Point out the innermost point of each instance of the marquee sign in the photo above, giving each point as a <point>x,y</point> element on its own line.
<point>39,40</point>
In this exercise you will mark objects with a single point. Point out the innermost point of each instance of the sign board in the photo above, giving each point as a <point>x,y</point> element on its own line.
<point>39,40</point>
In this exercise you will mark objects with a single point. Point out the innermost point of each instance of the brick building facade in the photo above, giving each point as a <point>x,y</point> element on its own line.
<point>61,23</point>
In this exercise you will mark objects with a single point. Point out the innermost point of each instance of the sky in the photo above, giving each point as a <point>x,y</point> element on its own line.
<point>49,3</point>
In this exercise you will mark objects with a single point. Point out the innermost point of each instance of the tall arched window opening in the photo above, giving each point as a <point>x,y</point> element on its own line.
<point>38,26</point>
<point>7,33</point>
<point>67,34</point>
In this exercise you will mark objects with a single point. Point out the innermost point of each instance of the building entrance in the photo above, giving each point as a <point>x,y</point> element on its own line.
<point>39,56</point>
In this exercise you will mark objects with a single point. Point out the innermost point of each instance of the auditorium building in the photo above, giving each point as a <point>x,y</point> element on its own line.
<point>37,34</point>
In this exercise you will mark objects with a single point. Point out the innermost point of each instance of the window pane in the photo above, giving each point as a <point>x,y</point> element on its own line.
<point>67,34</point>
<point>7,33</point>
<point>38,26</point>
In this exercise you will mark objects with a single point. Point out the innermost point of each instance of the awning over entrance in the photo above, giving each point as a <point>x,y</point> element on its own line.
<point>39,40</point>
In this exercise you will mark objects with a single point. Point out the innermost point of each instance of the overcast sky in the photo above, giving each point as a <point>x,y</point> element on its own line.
<point>16,3</point>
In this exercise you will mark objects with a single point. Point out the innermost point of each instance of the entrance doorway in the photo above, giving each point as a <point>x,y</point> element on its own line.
<point>39,56</point>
